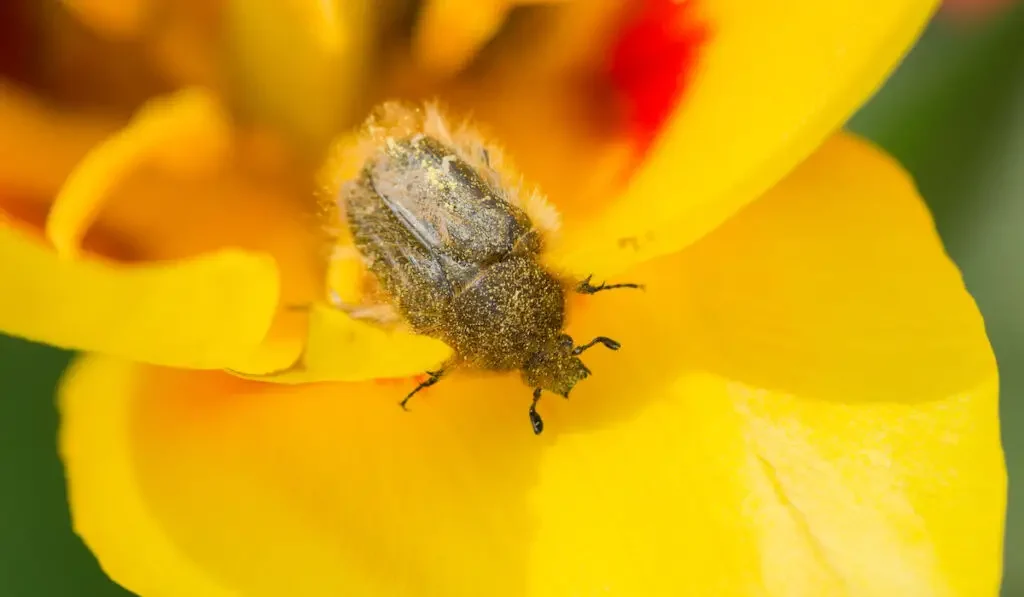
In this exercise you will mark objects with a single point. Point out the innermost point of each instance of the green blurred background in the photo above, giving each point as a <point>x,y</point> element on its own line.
<point>953,114</point>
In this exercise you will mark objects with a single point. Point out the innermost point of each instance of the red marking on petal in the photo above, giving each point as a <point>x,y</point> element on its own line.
<point>650,62</point>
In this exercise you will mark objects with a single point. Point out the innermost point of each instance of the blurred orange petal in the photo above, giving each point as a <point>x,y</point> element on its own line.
<point>40,145</point>
<point>124,18</point>
<point>186,134</point>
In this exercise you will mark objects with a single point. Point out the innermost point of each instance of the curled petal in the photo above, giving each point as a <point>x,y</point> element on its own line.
<point>210,311</point>
<point>185,134</point>
<point>162,191</point>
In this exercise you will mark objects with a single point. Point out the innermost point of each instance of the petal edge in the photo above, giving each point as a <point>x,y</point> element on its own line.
<point>209,311</point>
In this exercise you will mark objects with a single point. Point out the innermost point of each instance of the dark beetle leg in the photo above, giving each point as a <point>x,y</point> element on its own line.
<point>585,287</point>
<point>535,421</point>
<point>608,342</point>
<point>435,376</point>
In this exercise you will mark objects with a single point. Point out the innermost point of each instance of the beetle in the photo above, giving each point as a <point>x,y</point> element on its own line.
<point>455,252</point>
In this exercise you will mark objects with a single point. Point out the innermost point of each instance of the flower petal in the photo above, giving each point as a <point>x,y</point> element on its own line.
<point>120,19</point>
<point>207,312</point>
<point>656,478</point>
<point>303,66</point>
<point>158,201</point>
<point>449,33</point>
<point>341,348</point>
<point>741,129</point>
<point>838,269</point>
<point>771,82</point>
<point>40,146</point>
<point>186,134</point>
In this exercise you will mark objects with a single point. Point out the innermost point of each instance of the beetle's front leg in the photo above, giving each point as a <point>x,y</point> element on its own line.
<point>585,287</point>
<point>434,377</point>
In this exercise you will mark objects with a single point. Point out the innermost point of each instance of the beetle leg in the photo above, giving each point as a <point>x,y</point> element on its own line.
<point>608,342</point>
<point>535,421</point>
<point>585,287</point>
<point>435,376</point>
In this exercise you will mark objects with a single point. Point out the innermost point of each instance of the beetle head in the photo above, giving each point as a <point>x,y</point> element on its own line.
<point>556,368</point>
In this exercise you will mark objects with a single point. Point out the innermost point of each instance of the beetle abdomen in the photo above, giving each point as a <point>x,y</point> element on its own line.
<point>509,311</point>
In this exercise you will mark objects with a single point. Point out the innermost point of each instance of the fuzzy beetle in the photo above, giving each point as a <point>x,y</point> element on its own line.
<point>452,247</point>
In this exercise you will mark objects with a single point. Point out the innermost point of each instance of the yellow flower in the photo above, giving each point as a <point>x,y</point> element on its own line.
<point>805,402</point>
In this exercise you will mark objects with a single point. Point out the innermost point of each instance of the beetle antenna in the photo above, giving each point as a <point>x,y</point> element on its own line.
<point>585,287</point>
<point>608,342</point>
